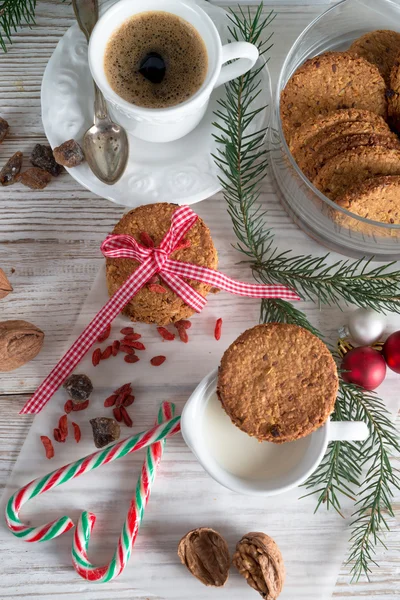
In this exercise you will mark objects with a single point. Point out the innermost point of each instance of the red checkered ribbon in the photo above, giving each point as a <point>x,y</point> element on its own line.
<point>153,260</point>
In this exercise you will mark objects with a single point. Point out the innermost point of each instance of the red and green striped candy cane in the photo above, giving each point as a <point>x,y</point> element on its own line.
<point>132,522</point>
<point>83,465</point>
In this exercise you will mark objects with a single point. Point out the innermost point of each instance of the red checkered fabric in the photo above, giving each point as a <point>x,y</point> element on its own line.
<point>153,260</point>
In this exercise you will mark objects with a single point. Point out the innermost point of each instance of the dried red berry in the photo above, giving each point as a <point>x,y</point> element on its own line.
<point>131,358</point>
<point>146,239</point>
<point>137,345</point>
<point>126,418</point>
<point>77,432</point>
<point>183,245</point>
<point>110,401</point>
<point>183,336</point>
<point>185,323</point>
<point>63,426</point>
<point>96,357</point>
<point>117,414</point>
<point>81,406</point>
<point>127,349</point>
<point>156,288</point>
<point>130,344</point>
<point>218,329</point>
<point>58,436</point>
<point>48,446</point>
<point>120,398</point>
<point>156,361</point>
<point>68,406</point>
<point>128,400</point>
<point>133,337</point>
<point>124,388</point>
<point>127,330</point>
<point>103,336</point>
<point>165,334</point>
<point>107,353</point>
<point>115,347</point>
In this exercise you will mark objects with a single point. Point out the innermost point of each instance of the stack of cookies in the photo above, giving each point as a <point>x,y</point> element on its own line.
<point>340,114</point>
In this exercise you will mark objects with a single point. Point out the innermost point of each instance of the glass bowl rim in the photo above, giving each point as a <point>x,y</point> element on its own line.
<point>299,172</point>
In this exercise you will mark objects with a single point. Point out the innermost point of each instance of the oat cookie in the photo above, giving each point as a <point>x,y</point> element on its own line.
<point>278,382</point>
<point>316,125</point>
<point>148,306</point>
<point>380,48</point>
<point>341,144</point>
<point>329,82</point>
<point>351,168</point>
<point>377,198</point>
<point>393,96</point>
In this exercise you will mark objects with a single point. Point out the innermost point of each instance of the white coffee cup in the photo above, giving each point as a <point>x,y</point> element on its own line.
<point>167,124</point>
<point>293,462</point>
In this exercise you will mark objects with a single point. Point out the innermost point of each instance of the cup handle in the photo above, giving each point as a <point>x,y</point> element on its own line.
<point>347,431</point>
<point>247,55</point>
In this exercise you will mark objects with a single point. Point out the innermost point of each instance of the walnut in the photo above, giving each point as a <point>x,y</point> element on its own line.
<point>20,342</point>
<point>260,561</point>
<point>205,553</point>
<point>5,285</point>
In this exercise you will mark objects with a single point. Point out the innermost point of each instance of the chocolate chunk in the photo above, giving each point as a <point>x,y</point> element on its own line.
<point>35,178</point>
<point>69,154</point>
<point>79,387</point>
<point>9,172</point>
<point>4,127</point>
<point>105,430</point>
<point>42,157</point>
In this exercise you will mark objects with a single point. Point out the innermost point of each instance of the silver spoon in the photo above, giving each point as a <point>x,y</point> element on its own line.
<point>105,144</point>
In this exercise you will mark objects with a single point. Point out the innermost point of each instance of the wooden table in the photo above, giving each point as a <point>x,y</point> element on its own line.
<point>49,245</point>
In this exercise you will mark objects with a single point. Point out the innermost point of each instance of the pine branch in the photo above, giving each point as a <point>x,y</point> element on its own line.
<point>242,159</point>
<point>13,14</point>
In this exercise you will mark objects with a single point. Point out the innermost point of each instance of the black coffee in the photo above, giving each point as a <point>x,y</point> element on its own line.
<point>155,60</point>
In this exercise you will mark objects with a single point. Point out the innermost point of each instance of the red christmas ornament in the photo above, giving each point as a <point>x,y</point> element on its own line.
<point>365,367</point>
<point>391,351</point>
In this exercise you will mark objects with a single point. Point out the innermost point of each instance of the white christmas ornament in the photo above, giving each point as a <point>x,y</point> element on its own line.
<point>365,326</point>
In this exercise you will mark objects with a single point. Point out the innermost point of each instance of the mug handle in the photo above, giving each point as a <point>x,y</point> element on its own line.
<point>348,431</point>
<point>246,53</point>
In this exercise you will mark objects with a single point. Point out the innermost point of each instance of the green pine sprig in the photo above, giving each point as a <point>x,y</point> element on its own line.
<point>243,160</point>
<point>13,14</point>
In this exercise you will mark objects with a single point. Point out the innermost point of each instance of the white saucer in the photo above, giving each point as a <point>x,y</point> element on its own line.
<point>183,171</point>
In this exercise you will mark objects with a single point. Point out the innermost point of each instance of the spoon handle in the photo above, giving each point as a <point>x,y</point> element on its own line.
<point>87,14</point>
<point>100,106</point>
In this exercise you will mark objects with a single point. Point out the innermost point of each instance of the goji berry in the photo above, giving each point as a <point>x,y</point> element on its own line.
<point>127,349</point>
<point>165,334</point>
<point>115,347</point>
<point>96,357</point>
<point>156,361</point>
<point>77,432</point>
<point>131,358</point>
<point>81,406</point>
<point>218,329</point>
<point>63,426</point>
<point>48,446</point>
<point>124,388</point>
<point>185,323</point>
<point>183,336</point>
<point>137,345</point>
<point>57,435</point>
<point>120,398</point>
<point>128,400</point>
<point>68,406</point>
<point>126,418</point>
<point>156,288</point>
<point>154,279</point>
<point>132,344</point>
<point>146,239</point>
<point>107,353</point>
<point>133,337</point>
<point>103,336</point>
<point>127,330</point>
<point>110,401</point>
<point>117,414</point>
<point>183,245</point>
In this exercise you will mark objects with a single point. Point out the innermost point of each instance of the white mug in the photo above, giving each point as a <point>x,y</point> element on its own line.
<point>291,467</point>
<point>171,123</point>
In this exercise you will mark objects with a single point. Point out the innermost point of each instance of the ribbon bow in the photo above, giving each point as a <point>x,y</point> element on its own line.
<point>152,261</point>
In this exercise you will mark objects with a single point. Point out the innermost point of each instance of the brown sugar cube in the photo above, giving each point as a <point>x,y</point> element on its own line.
<point>4,127</point>
<point>35,178</point>
<point>69,154</point>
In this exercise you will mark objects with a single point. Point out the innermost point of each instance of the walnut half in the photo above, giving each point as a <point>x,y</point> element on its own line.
<point>260,561</point>
<point>205,553</point>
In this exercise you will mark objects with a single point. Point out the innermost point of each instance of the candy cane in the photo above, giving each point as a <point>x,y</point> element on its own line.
<point>132,522</point>
<point>72,470</point>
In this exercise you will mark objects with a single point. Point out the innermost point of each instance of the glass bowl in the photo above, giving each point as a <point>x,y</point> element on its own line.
<point>319,217</point>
